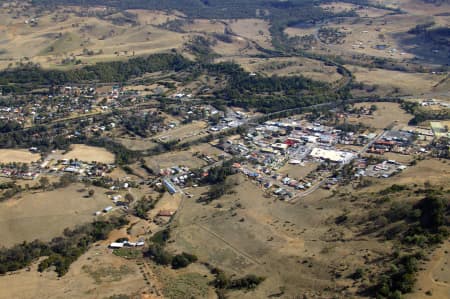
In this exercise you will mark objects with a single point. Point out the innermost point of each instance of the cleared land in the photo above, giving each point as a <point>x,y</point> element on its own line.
<point>388,81</point>
<point>179,158</point>
<point>44,215</point>
<point>298,171</point>
<point>137,144</point>
<point>293,66</point>
<point>386,114</point>
<point>183,132</point>
<point>16,155</point>
<point>89,153</point>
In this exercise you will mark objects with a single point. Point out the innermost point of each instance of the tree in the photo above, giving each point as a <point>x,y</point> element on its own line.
<point>432,212</point>
<point>44,182</point>
<point>91,192</point>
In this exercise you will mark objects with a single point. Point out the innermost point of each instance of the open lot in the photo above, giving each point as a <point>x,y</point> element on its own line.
<point>298,171</point>
<point>44,215</point>
<point>179,158</point>
<point>386,114</point>
<point>17,155</point>
<point>183,132</point>
<point>89,153</point>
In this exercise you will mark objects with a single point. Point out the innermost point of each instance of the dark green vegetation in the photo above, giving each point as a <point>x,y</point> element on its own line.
<point>128,253</point>
<point>429,33</point>
<point>115,71</point>
<point>61,251</point>
<point>413,219</point>
<point>400,278</point>
<point>211,9</point>
<point>269,94</point>
<point>141,123</point>
<point>142,207</point>
<point>441,148</point>
<point>222,282</point>
<point>161,256</point>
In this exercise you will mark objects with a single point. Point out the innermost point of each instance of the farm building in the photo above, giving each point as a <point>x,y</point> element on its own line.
<point>169,186</point>
<point>115,245</point>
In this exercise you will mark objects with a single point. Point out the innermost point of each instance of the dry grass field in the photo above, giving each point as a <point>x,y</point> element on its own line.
<point>417,6</point>
<point>237,48</point>
<point>89,153</point>
<point>362,11</point>
<point>293,66</point>
<point>253,29</point>
<point>209,150</point>
<point>205,26</point>
<point>296,31</point>
<point>386,114</point>
<point>435,277</point>
<point>298,171</point>
<point>196,128</point>
<point>61,34</point>
<point>44,215</point>
<point>388,81</point>
<point>177,158</point>
<point>430,171</point>
<point>17,155</point>
<point>293,246</point>
<point>136,144</point>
